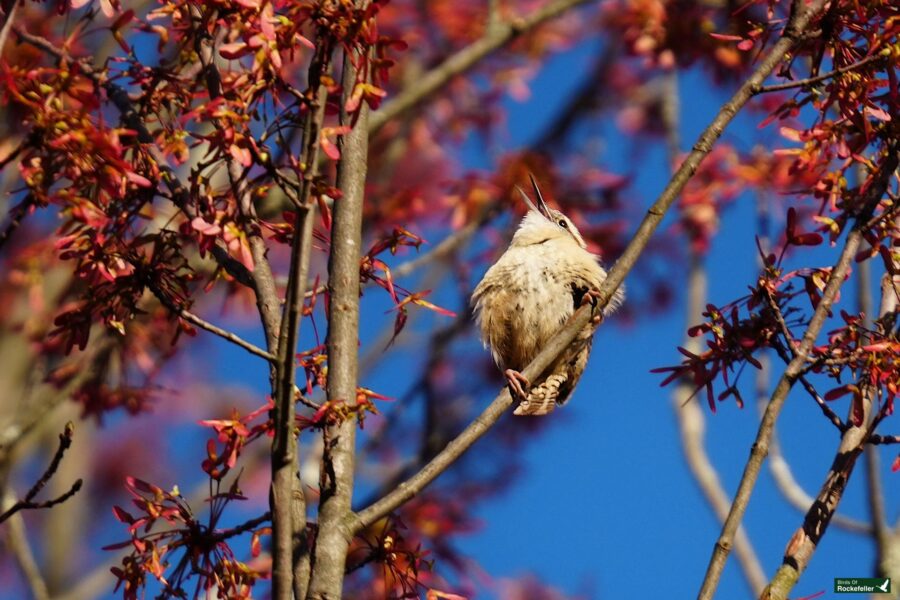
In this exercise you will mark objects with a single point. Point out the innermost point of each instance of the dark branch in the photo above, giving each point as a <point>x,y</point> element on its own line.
<point>28,503</point>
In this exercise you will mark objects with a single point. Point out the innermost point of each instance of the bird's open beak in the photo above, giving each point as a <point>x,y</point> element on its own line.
<point>541,206</point>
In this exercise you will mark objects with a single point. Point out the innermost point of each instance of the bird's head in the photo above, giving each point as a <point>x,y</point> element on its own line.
<point>542,224</point>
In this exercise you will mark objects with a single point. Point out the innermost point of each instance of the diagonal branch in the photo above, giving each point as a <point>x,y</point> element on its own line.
<point>616,276</point>
<point>810,81</point>
<point>214,329</point>
<point>497,35</point>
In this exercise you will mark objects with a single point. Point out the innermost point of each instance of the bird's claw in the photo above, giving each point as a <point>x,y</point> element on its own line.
<point>591,297</point>
<point>515,380</point>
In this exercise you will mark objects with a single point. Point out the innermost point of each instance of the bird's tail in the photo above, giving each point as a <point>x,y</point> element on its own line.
<point>541,399</point>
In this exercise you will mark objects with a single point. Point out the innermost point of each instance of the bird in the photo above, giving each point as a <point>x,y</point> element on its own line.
<point>541,279</point>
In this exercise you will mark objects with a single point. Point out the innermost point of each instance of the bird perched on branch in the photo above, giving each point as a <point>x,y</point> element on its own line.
<point>544,276</point>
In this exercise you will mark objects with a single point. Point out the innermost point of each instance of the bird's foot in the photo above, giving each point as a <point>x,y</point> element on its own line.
<point>590,298</point>
<point>515,380</point>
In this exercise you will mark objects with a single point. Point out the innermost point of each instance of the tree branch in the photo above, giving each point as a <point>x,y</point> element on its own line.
<point>336,485</point>
<point>288,502</point>
<point>203,324</point>
<point>28,503</point>
<point>496,36</point>
<point>810,81</point>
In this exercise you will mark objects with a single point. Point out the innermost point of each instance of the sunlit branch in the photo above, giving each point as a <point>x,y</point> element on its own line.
<point>494,38</point>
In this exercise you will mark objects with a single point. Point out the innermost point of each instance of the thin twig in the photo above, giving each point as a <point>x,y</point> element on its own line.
<point>810,81</point>
<point>28,503</point>
<point>876,439</point>
<point>244,527</point>
<point>811,390</point>
<point>203,324</point>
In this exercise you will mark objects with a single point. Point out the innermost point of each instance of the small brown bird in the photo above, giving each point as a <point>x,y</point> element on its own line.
<point>529,294</point>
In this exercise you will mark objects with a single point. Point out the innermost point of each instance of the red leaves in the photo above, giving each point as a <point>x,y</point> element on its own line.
<point>733,342</point>
<point>328,147</point>
<point>370,266</point>
<point>233,434</point>
<point>796,238</point>
<point>203,549</point>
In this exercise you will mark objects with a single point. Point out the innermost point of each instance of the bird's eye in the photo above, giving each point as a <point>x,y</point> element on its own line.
<point>563,223</point>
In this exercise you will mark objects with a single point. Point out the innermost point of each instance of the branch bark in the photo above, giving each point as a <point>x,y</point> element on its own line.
<point>336,485</point>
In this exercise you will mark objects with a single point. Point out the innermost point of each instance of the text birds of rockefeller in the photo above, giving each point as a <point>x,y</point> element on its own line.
<point>529,294</point>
